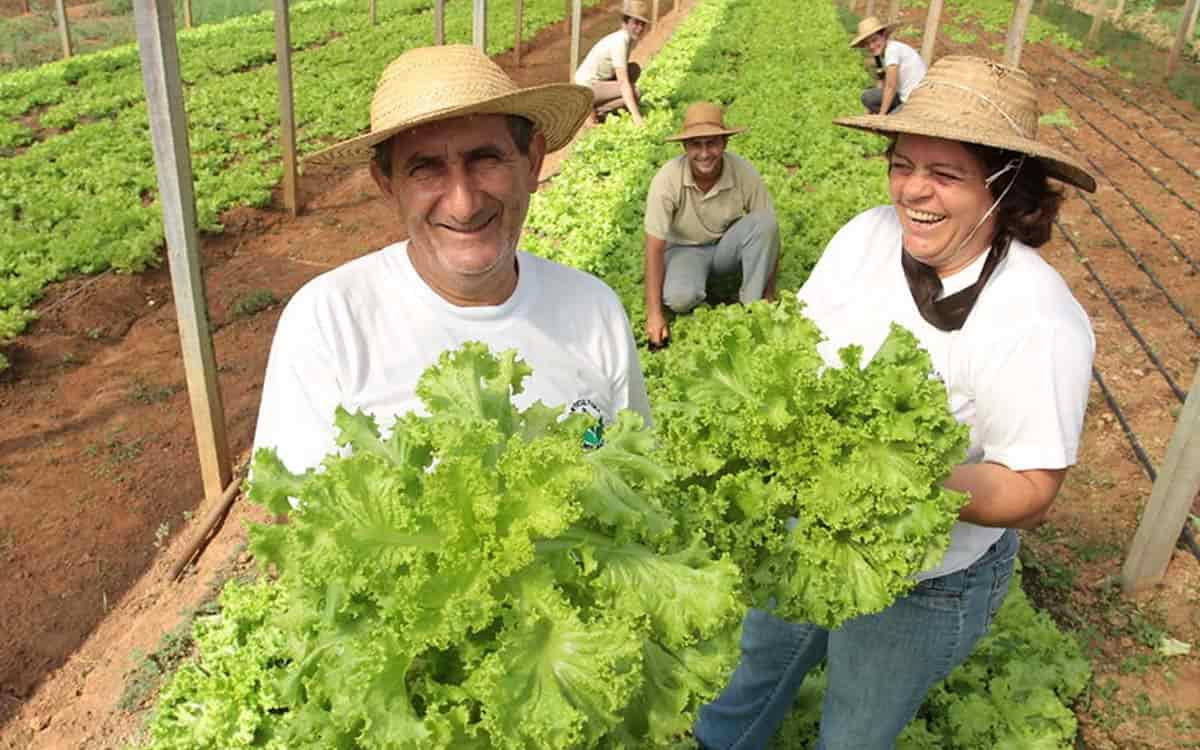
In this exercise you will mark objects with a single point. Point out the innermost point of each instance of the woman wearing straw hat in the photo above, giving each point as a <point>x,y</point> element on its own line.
<point>707,211</point>
<point>607,69</point>
<point>456,148</point>
<point>953,259</point>
<point>901,68</point>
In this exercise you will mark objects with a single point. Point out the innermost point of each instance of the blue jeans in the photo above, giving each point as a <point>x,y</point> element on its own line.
<point>880,666</point>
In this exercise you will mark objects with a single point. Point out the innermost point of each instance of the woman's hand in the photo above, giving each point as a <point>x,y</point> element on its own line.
<point>1004,498</point>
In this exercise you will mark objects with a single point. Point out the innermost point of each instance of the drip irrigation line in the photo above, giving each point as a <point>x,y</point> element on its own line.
<point>1112,300</point>
<point>1129,156</point>
<point>1136,206</point>
<point>1133,103</point>
<point>1185,536</point>
<point>1194,173</point>
<point>1137,259</point>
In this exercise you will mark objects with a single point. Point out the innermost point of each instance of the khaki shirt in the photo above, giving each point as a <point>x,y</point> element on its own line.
<point>678,213</point>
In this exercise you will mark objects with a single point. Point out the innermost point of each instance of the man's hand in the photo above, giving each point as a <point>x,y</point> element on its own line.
<point>656,327</point>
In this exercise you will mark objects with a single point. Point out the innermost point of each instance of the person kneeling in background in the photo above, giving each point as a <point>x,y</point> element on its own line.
<point>899,66</point>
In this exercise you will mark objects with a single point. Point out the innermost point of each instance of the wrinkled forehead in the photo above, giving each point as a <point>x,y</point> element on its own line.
<point>455,133</point>
<point>925,149</point>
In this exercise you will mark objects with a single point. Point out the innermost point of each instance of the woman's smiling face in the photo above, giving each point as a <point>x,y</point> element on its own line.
<point>938,189</point>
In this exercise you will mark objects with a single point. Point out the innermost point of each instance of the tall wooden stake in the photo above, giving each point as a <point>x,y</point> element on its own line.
<point>64,31</point>
<point>576,33</point>
<point>1181,37</point>
<point>187,13</point>
<point>520,22</point>
<point>932,18</point>
<point>1191,28</point>
<point>287,110</point>
<point>870,9</point>
<point>439,22</point>
<point>1099,10</point>
<point>654,14</point>
<point>1119,11</point>
<point>1016,32</point>
<point>371,12</point>
<point>893,11</point>
<point>479,25</point>
<point>1170,500</point>
<point>155,23</point>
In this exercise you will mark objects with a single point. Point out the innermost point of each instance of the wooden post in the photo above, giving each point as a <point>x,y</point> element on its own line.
<point>520,22</point>
<point>439,21</point>
<point>576,33</point>
<point>932,17</point>
<point>64,31</point>
<point>1190,34</point>
<point>893,11</point>
<point>1099,9</point>
<point>654,14</point>
<point>479,25</point>
<point>1045,6</point>
<point>1170,500</point>
<point>1016,32</point>
<point>1120,10</point>
<point>187,13</point>
<point>155,23</point>
<point>1181,37</point>
<point>870,8</point>
<point>371,12</point>
<point>287,110</point>
<point>25,9</point>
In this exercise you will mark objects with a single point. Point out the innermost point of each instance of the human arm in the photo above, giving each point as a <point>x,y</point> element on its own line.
<point>891,85</point>
<point>628,95</point>
<point>655,272</point>
<point>1004,498</point>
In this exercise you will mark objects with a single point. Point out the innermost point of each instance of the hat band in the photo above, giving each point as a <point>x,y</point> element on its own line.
<point>709,123</point>
<point>979,95</point>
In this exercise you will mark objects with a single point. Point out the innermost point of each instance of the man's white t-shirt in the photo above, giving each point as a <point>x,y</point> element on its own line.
<point>1017,372</point>
<point>604,58</point>
<point>910,70</point>
<point>362,334</point>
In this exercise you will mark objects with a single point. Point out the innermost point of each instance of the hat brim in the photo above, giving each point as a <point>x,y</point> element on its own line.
<point>1058,165</point>
<point>638,16</point>
<point>556,109</point>
<point>858,40</point>
<point>703,131</point>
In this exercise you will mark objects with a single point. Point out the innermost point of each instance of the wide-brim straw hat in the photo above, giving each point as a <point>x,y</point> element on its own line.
<point>428,84</point>
<point>639,9</point>
<point>868,26</point>
<point>973,100</point>
<point>701,120</point>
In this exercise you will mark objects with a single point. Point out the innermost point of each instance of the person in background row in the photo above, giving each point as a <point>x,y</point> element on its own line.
<point>901,68</point>
<point>607,69</point>
<point>707,211</point>
<point>954,260</point>
<point>456,148</point>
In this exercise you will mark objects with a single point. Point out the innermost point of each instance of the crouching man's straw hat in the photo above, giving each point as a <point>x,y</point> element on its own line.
<point>974,100</point>
<point>639,9</point>
<point>868,26</point>
<point>701,120</point>
<point>437,83</point>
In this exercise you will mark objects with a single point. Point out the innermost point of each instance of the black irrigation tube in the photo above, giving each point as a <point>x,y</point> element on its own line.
<point>1136,206</point>
<point>1112,300</point>
<point>1100,80</point>
<point>1129,156</point>
<point>1195,173</point>
<point>1185,536</point>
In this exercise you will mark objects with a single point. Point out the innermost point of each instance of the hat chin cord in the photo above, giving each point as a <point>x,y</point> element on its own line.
<point>1013,165</point>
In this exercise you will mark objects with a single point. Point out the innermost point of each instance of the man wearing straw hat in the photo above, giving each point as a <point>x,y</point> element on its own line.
<point>707,211</point>
<point>456,148</point>
<point>607,69</point>
<point>953,259</point>
<point>900,67</point>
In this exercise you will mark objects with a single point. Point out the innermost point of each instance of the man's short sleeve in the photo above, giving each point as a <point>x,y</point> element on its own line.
<point>620,52</point>
<point>661,202</point>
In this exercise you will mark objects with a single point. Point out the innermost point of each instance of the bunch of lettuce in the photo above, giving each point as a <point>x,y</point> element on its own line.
<point>823,483</point>
<point>475,579</point>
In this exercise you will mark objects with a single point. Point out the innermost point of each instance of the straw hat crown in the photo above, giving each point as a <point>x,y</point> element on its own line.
<point>429,84</point>
<point>703,119</point>
<point>867,27</point>
<point>973,100</point>
<point>639,9</point>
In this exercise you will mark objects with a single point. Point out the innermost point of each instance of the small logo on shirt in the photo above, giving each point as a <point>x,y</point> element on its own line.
<point>593,437</point>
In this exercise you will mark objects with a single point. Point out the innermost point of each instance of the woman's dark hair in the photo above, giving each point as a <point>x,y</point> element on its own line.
<point>520,128</point>
<point>1028,211</point>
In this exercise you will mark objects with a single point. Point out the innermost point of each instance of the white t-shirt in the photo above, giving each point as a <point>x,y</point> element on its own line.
<point>362,334</point>
<point>911,67</point>
<point>602,60</point>
<point>1017,372</point>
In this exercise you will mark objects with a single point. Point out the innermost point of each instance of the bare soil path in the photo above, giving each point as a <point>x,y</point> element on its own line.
<point>99,480</point>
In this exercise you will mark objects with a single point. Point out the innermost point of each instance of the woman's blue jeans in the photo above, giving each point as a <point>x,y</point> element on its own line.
<point>879,666</point>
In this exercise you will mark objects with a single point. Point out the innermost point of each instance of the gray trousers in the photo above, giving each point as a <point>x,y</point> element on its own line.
<point>872,99</point>
<point>606,95</point>
<point>751,244</point>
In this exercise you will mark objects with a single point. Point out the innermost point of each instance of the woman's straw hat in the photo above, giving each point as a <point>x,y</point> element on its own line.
<point>427,84</point>
<point>974,100</point>
<point>701,120</point>
<point>639,9</point>
<point>867,27</point>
